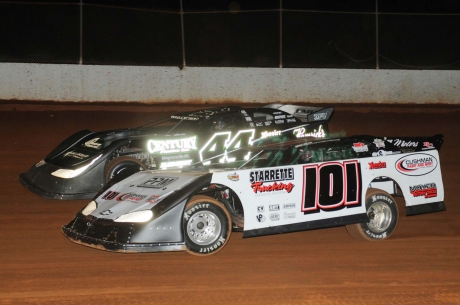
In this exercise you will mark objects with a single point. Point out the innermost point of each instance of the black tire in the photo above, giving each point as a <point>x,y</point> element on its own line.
<point>207,226</point>
<point>383,213</point>
<point>123,167</point>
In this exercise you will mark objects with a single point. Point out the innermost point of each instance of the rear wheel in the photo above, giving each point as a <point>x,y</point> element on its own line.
<point>123,167</point>
<point>207,226</point>
<point>383,214</point>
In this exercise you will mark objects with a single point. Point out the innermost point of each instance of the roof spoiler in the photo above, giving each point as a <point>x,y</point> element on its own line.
<point>305,113</point>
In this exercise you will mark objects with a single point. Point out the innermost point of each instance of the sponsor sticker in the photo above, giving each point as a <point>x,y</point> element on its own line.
<point>319,116</point>
<point>289,206</point>
<point>233,177</point>
<point>187,118</point>
<point>402,143</point>
<point>302,132</point>
<point>416,164</point>
<point>172,146</point>
<point>258,178</point>
<point>93,143</point>
<point>154,199</point>
<point>274,216</point>
<point>360,147</point>
<point>274,207</point>
<point>260,209</point>
<point>290,215</point>
<point>268,134</point>
<point>158,182</point>
<point>377,165</point>
<point>75,155</point>
<point>427,190</point>
<point>427,145</point>
<point>277,117</point>
<point>260,218</point>
<point>131,197</point>
<point>268,123</point>
<point>279,121</point>
<point>248,119</point>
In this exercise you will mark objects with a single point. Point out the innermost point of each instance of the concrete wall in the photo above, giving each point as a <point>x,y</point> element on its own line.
<point>47,82</point>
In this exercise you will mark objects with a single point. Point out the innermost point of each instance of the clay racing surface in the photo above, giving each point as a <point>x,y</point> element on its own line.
<point>420,264</point>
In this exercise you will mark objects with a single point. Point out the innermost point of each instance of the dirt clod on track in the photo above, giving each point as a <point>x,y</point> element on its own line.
<point>419,264</point>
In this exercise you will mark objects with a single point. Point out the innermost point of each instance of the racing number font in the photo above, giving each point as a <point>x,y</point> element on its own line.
<point>332,185</point>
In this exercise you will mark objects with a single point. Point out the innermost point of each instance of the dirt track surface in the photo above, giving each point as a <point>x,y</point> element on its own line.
<point>420,264</point>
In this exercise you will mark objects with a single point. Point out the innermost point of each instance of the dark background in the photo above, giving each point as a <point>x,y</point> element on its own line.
<point>345,34</point>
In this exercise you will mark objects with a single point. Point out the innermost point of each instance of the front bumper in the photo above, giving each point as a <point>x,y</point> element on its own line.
<point>113,246</point>
<point>160,234</point>
<point>39,181</point>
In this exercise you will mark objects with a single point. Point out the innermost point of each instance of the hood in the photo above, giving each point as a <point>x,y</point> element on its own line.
<point>141,191</point>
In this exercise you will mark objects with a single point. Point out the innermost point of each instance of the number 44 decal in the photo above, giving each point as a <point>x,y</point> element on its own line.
<point>331,185</point>
<point>222,146</point>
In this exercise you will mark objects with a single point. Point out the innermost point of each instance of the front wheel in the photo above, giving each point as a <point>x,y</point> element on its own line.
<point>383,214</point>
<point>123,167</point>
<point>207,226</point>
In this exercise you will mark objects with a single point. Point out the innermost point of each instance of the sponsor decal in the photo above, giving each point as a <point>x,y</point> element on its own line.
<point>217,245</point>
<point>377,165</point>
<point>379,143</point>
<point>251,124</point>
<point>187,118</point>
<point>248,119</point>
<point>106,213</point>
<point>233,177</point>
<point>416,164</point>
<point>175,157</point>
<point>274,207</point>
<point>268,123</point>
<point>381,197</point>
<point>158,182</point>
<point>289,206</point>
<point>76,155</point>
<point>427,190</point>
<point>110,195</point>
<point>319,116</point>
<point>259,124</point>
<point>258,178</point>
<point>197,207</point>
<point>291,120</point>
<point>269,175</point>
<point>290,215</point>
<point>243,111</point>
<point>279,121</point>
<point>360,147</point>
<point>260,209</point>
<point>274,216</point>
<point>382,153</point>
<point>277,117</point>
<point>154,199</point>
<point>402,143</point>
<point>302,132</point>
<point>180,163</point>
<point>172,146</point>
<point>131,197</point>
<point>93,143</point>
<point>268,134</point>
<point>278,112</point>
<point>260,218</point>
<point>427,145</point>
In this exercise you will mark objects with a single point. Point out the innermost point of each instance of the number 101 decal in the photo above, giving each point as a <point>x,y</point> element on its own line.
<point>332,185</point>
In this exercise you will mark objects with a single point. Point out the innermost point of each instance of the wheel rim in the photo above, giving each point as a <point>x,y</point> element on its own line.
<point>380,215</point>
<point>204,228</point>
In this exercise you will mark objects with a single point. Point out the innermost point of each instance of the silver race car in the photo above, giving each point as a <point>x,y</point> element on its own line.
<point>296,185</point>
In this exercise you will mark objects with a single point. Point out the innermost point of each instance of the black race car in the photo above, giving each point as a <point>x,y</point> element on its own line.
<point>86,161</point>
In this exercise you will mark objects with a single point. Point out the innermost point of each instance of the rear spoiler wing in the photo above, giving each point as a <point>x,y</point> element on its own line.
<point>305,113</point>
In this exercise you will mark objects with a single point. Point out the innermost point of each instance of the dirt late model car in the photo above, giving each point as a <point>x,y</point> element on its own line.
<point>83,163</point>
<point>284,187</point>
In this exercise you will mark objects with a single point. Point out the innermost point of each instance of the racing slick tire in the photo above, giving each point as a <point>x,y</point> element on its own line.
<point>383,214</point>
<point>207,226</point>
<point>123,167</point>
